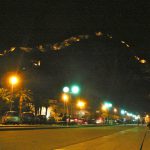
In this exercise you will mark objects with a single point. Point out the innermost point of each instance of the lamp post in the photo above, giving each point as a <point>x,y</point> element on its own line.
<point>65,99</point>
<point>74,90</point>
<point>13,80</point>
<point>123,113</point>
<point>105,108</point>
<point>66,89</point>
<point>115,110</point>
<point>81,104</point>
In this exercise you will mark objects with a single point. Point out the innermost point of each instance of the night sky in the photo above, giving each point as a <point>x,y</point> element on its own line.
<point>104,68</point>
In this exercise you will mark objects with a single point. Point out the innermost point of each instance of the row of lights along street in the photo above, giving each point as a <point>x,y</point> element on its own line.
<point>106,106</point>
<point>70,97</point>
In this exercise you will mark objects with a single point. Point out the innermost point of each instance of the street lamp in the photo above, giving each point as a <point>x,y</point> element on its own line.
<point>13,80</point>
<point>123,112</point>
<point>115,110</point>
<point>66,89</point>
<point>71,91</point>
<point>105,107</point>
<point>74,89</point>
<point>65,98</point>
<point>81,104</point>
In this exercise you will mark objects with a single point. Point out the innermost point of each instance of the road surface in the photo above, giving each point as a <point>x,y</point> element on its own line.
<point>88,138</point>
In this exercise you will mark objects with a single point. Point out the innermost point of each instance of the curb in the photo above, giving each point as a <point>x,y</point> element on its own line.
<point>15,128</point>
<point>28,127</point>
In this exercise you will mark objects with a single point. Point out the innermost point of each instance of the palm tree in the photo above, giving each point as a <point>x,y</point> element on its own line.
<point>5,99</point>
<point>24,96</point>
<point>5,95</point>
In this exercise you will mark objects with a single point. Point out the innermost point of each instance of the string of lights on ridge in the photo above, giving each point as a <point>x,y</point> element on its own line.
<point>68,42</point>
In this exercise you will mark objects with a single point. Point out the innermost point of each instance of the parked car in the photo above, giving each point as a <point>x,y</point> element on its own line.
<point>28,117</point>
<point>82,121</point>
<point>51,120</point>
<point>92,121</point>
<point>11,117</point>
<point>41,119</point>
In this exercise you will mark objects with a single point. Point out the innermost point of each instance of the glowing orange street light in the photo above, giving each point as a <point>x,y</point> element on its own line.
<point>65,98</point>
<point>104,108</point>
<point>81,104</point>
<point>13,80</point>
<point>115,110</point>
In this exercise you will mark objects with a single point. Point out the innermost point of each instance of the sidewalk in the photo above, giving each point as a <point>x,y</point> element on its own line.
<point>130,139</point>
<point>146,143</point>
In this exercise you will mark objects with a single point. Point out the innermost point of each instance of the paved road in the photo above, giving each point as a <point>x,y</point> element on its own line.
<point>130,139</point>
<point>89,138</point>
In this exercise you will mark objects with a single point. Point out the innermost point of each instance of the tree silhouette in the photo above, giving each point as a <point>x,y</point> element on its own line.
<point>25,97</point>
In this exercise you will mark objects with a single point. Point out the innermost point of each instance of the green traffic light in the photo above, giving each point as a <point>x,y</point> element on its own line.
<point>108,105</point>
<point>75,89</point>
